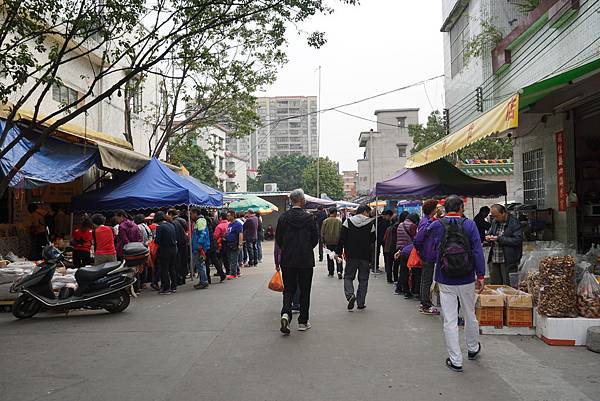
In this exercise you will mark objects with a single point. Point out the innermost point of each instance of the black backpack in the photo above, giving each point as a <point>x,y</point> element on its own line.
<point>456,259</point>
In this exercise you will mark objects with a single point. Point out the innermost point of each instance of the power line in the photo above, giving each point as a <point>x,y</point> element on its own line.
<point>365,119</point>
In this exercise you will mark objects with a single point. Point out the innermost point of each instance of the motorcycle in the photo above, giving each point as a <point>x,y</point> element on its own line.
<point>106,286</point>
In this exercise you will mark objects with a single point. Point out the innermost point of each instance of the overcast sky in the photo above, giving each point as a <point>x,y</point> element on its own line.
<point>372,48</point>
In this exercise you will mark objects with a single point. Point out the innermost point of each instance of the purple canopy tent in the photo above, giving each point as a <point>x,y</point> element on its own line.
<point>439,178</point>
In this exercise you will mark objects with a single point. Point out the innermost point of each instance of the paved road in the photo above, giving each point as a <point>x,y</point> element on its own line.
<point>223,343</point>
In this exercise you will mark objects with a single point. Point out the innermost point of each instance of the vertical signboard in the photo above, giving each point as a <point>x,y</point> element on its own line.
<point>561,174</point>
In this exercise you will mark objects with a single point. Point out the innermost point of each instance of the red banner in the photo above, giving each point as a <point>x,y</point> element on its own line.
<point>561,173</point>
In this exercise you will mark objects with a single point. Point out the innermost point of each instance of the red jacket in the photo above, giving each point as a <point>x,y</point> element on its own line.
<point>219,233</point>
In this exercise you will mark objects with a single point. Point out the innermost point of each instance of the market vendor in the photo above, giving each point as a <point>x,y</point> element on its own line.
<point>38,230</point>
<point>506,237</point>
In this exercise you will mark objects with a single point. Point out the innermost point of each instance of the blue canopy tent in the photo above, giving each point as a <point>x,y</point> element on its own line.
<point>152,187</point>
<point>56,162</point>
<point>214,195</point>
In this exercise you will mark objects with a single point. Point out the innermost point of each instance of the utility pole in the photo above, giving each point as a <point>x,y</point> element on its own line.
<point>319,137</point>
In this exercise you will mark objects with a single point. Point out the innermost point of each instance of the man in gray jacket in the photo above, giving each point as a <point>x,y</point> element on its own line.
<point>506,237</point>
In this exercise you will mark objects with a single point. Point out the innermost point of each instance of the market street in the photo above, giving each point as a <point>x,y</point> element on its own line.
<point>224,344</point>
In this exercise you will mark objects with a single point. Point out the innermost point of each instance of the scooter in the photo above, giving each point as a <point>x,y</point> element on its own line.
<point>107,286</point>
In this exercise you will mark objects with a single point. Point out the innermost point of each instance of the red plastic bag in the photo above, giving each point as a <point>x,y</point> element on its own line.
<point>414,260</point>
<point>276,282</point>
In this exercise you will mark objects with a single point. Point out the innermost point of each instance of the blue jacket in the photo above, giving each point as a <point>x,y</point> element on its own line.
<point>425,246</point>
<point>436,234</point>
<point>200,236</point>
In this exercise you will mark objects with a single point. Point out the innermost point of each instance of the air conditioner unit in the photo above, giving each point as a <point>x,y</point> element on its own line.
<point>270,187</point>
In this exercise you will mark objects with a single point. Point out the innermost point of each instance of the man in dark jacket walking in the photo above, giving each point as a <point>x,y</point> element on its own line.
<point>296,236</point>
<point>506,237</point>
<point>357,241</point>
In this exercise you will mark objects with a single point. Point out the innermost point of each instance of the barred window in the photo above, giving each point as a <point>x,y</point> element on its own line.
<point>533,178</point>
<point>459,35</point>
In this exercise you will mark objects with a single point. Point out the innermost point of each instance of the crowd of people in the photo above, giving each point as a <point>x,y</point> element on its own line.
<point>439,245</point>
<point>224,241</point>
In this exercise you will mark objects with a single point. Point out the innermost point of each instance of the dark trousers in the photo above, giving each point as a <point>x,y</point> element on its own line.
<point>167,260</point>
<point>294,279</point>
<point>81,258</point>
<point>320,249</point>
<point>415,280</point>
<point>182,264</point>
<point>222,255</point>
<point>396,270</point>
<point>213,258</point>
<point>402,285</point>
<point>38,242</point>
<point>250,249</point>
<point>388,258</point>
<point>332,263</point>
<point>426,281</point>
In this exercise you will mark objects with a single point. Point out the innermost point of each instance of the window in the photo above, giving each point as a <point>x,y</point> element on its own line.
<point>533,178</point>
<point>401,150</point>
<point>221,164</point>
<point>459,34</point>
<point>63,94</point>
<point>401,122</point>
<point>137,97</point>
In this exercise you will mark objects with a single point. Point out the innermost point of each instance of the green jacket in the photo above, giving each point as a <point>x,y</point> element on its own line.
<point>330,231</point>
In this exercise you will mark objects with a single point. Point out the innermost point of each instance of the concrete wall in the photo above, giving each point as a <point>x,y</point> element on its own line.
<point>212,140</point>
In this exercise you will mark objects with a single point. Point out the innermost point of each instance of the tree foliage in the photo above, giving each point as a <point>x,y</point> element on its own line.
<point>195,160</point>
<point>210,56</point>
<point>286,171</point>
<point>330,180</point>
<point>433,131</point>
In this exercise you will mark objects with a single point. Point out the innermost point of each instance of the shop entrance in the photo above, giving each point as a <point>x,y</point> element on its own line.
<point>587,167</point>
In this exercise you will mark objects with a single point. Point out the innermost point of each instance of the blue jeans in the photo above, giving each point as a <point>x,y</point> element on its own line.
<point>250,249</point>
<point>234,264</point>
<point>200,267</point>
<point>259,250</point>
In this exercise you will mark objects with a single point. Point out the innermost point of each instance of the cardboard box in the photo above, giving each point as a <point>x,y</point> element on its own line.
<point>563,331</point>
<point>489,308</point>
<point>518,305</point>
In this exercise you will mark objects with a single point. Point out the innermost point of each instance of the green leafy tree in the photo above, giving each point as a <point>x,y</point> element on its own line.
<point>330,180</point>
<point>210,55</point>
<point>195,160</point>
<point>254,185</point>
<point>286,171</point>
<point>433,131</point>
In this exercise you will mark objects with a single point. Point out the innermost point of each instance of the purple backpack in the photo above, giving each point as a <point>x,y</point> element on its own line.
<point>456,259</point>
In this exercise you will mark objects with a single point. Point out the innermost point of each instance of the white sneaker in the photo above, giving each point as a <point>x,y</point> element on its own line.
<point>304,326</point>
<point>285,324</point>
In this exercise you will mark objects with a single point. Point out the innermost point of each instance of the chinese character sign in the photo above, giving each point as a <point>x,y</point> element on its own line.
<point>561,173</point>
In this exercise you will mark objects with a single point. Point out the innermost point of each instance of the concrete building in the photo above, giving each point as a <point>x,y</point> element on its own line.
<point>386,149</point>
<point>236,173</point>
<point>549,56</point>
<point>212,140</point>
<point>288,125</point>
<point>349,178</point>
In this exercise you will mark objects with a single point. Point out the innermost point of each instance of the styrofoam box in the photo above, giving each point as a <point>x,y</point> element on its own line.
<point>563,331</point>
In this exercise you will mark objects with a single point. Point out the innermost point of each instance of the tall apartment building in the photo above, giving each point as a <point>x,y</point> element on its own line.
<point>548,61</point>
<point>386,149</point>
<point>288,125</point>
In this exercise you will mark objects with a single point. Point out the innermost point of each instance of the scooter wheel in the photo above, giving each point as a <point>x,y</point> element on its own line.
<point>25,307</point>
<point>121,302</point>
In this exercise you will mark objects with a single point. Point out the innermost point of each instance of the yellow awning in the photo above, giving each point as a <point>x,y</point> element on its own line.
<point>503,117</point>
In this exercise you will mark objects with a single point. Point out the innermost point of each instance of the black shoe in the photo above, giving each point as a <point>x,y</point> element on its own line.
<point>474,355</point>
<point>285,324</point>
<point>164,292</point>
<point>223,278</point>
<point>461,321</point>
<point>452,366</point>
<point>320,259</point>
<point>201,286</point>
<point>408,295</point>
<point>155,287</point>
<point>351,302</point>
<point>340,276</point>
<point>361,306</point>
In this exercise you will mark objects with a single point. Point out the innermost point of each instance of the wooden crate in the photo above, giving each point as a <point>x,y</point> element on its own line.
<point>490,315</point>
<point>519,317</point>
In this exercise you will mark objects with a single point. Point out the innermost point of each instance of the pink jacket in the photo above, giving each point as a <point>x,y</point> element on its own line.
<point>219,233</point>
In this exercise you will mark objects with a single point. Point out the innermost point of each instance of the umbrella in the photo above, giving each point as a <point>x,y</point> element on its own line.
<point>377,203</point>
<point>253,202</point>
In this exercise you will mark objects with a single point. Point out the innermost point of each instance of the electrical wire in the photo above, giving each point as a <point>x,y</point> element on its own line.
<point>366,119</point>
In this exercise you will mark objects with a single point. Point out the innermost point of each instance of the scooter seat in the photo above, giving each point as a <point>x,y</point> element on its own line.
<point>93,273</point>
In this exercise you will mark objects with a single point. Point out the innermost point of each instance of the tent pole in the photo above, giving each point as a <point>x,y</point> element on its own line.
<point>473,205</point>
<point>190,239</point>
<point>505,201</point>
<point>71,232</point>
